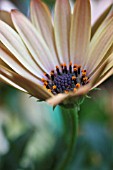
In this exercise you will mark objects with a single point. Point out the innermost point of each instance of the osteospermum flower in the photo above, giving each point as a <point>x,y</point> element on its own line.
<point>56,58</point>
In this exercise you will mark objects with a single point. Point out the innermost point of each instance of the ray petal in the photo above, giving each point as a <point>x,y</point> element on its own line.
<point>104,77</point>
<point>110,64</point>
<point>80,31</point>
<point>55,100</point>
<point>12,62</point>
<point>34,41</point>
<point>65,98</point>
<point>31,87</point>
<point>100,44</point>
<point>42,20</point>
<point>100,20</point>
<point>15,45</point>
<point>8,81</point>
<point>6,17</point>
<point>106,58</point>
<point>62,29</point>
<point>96,76</point>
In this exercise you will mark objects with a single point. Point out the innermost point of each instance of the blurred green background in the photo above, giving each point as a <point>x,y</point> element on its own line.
<point>31,133</point>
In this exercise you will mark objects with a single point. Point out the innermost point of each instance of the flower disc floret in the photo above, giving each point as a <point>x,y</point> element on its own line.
<point>65,79</point>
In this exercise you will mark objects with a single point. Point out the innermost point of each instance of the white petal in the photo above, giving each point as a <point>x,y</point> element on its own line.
<point>16,66</point>
<point>42,20</point>
<point>31,87</point>
<point>62,29</point>
<point>100,44</point>
<point>104,77</point>
<point>6,80</point>
<point>15,45</point>
<point>80,32</point>
<point>34,41</point>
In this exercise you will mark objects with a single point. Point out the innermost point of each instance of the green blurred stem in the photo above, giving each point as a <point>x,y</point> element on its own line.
<point>70,119</point>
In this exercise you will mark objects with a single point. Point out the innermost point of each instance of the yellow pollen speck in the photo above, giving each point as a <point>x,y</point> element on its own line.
<point>45,83</point>
<point>44,86</point>
<point>75,69</point>
<point>57,67</point>
<point>78,85</point>
<point>54,87</point>
<point>64,64</point>
<point>85,78</point>
<point>83,73</point>
<point>66,91</point>
<point>73,77</point>
<point>49,90</point>
<point>74,89</point>
<point>43,80</point>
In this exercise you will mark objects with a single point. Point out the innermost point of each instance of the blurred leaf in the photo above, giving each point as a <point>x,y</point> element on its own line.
<point>9,97</point>
<point>11,161</point>
<point>94,149</point>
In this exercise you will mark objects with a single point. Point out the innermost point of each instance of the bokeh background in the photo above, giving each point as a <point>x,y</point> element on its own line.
<point>31,133</point>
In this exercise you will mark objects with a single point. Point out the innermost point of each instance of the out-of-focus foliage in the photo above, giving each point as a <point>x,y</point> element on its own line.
<point>40,145</point>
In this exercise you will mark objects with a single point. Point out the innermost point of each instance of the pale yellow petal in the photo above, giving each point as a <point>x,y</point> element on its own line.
<point>55,100</point>
<point>12,62</point>
<point>96,76</point>
<point>100,20</point>
<point>68,98</point>
<point>100,44</point>
<point>6,17</point>
<point>62,20</point>
<point>34,41</point>
<point>42,20</point>
<point>110,64</point>
<point>31,87</point>
<point>104,77</point>
<point>80,31</point>
<point>106,58</point>
<point>15,45</point>
<point>6,80</point>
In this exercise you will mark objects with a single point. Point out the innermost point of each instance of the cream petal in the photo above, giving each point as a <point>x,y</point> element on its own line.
<point>104,77</point>
<point>109,51</point>
<point>31,87</point>
<point>34,41</point>
<point>66,98</point>
<point>6,17</point>
<point>42,20</point>
<point>12,62</point>
<point>15,45</point>
<point>110,64</point>
<point>100,44</point>
<point>6,80</point>
<point>106,58</point>
<point>62,20</point>
<point>96,76</point>
<point>80,31</point>
<point>100,20</point>
<point>55,100</point>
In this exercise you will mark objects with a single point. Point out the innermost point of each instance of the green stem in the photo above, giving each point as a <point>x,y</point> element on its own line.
<point>70,118</point>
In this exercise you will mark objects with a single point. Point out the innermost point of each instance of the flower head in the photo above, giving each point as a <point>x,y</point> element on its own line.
<point>56,59</point>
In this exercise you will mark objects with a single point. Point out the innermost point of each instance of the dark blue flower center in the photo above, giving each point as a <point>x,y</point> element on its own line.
<point>65,79</point>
